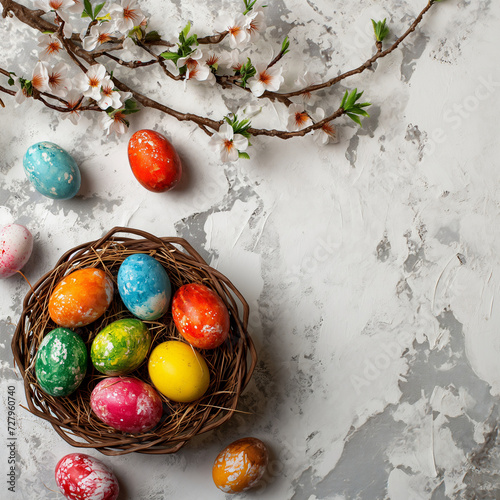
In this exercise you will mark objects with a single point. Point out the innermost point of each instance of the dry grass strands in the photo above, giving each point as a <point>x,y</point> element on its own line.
<point>231,365</point>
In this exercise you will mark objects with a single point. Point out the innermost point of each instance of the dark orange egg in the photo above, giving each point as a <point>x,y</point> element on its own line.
<point>154,161</point>
<point>239,466</point>
<point>81,297</point>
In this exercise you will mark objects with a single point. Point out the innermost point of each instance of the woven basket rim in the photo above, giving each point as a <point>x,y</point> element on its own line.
<point>72,427</point>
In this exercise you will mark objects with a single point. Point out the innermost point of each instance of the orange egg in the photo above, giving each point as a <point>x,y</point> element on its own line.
<point>81,297</point>
<point>239,466</point>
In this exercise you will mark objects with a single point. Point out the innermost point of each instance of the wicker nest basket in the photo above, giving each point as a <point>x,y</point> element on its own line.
<point>231,365</point>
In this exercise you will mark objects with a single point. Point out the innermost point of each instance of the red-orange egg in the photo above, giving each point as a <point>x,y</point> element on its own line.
<point>200,315</point>
<point>81,297</point>
<point>239,466</point>
<point>154,161</point>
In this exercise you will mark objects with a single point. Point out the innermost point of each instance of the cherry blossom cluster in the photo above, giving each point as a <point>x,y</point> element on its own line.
<point>75,33</point>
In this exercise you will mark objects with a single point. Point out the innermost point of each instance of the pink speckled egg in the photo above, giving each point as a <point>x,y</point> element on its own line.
<point>82,477</point>
<point>16,244</point>
<point>126,404</point>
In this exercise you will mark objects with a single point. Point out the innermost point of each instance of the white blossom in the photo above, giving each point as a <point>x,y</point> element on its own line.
<point>50,46</point>
<point>304,81</point>
<point>109,96</point>
<point>196,55</point>
<point>125,15</point>
<point>297,118</point>
<point>256,24</point>
<point>125,96</point>
<point>232,60</point>
<point>56,5</point>
<point>61,7</point>
<point>265,79</point>
<point>249,111</point>
<point>115,123</point>
<point>131,51</point>
<point>76,8</point>
<point>72,100</point>
<point>90,82</point>
<point>227,143</point>
<point>236,27</point>
<point>40,78</point>
<point>58,82</point>
<point>199,71</point>
<point>97,36</point>
<point>21,95</point>
<point>327,133</point>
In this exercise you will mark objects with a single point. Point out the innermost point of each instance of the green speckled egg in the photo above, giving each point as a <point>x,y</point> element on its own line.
<point>121,347</point>
<point>61,362</point>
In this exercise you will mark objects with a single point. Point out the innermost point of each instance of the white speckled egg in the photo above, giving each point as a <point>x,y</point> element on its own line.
<point>52,171</point>
<point>16,244</point>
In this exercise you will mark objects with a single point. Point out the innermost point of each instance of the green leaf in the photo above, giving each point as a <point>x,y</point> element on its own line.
<point>342,105</point>
<point>173,56</point>
<point>246,71</point>
<point>152,36</point>
<point>242,154</point>
<point>10,81</point>
<point>130,107</point>
<point>48,32</point>
<point>98,9</point>
<point>351,99</point>
<point>137,31</point>
<point>248,6</point>
<point>380,29</point>
<point>88,8</point>
<point>186,30</point>
<point>84,14</point>
<point>358,111</point>
<point>354,118</point>
<point>285,45</point>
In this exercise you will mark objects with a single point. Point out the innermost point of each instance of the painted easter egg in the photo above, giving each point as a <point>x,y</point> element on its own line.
<point>200,315</point>
<point>61,362</point>
<point>144,286</point>
<point>81,297</point>
<point>16,244</point>
<point>82,477</point>
<point>126,404</point>
<point>121,347</point>
<point>52,171</point>
<point>239,466</point>
<point>154,161</point>
<point>178,371</point>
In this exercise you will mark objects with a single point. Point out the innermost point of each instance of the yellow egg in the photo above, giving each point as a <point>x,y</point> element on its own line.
<point>178,371</point>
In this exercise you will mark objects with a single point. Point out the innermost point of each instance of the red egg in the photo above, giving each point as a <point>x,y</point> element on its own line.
<point>154,161</point>
<point>201,316</point>
<point>126,404</point>
<point>82,477</point>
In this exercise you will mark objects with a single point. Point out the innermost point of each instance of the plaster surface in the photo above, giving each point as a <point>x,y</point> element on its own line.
<point>372,266</point>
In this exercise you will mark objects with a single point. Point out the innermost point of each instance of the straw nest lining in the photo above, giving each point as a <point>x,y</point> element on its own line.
<point>231,365</point>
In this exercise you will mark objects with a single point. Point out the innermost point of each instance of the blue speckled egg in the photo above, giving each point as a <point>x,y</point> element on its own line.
<point>52,171</point>
<point>144,286</point>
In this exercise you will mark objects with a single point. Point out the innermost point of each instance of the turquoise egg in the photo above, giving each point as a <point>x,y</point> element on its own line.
<point>52,171</point>
<point>144,286</point>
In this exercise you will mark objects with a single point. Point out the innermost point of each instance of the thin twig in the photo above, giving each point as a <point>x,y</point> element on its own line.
<point>33,18</point>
